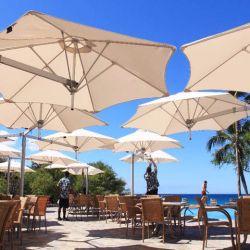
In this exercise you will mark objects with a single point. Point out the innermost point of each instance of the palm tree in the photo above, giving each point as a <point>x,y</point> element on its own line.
<point>232,146</point>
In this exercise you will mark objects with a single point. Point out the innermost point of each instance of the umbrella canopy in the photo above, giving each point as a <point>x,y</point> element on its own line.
<point>144,141</point>
<point>51,156</point>
<point>225,61</point>
<point>188,111</point>
<point>47,116</point>
<point>79,140</point>
<point>158,156</point>
<point>4,139</point>
<point>55,166</point>
<point>15,166</point>
<point>80,168</point>
<point>6,151</point>
<point>51,60</point>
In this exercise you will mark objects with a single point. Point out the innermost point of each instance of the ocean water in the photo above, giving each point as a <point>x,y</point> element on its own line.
<point>221,199</point>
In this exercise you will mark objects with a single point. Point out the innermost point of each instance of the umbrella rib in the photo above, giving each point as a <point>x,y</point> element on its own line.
<point>216,68</point>
<point>56,115</point>
<point>66,55</point>
<point>32,112</point>
<point>27,83</point>
<point>45,64</point>
<point>99,55</point>
<point>207,110</point>
<point>23,112</point>
<point>130,72</point>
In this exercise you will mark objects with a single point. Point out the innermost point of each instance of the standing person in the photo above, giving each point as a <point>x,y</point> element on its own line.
<point>65,186</point>
<point>204,192</point>
<point>151,178</point>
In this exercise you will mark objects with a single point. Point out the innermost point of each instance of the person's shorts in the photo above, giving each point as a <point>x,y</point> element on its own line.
<point>63,203</point>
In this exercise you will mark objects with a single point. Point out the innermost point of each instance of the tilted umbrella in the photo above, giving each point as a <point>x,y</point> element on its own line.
<point>47,116</point>
<point>225,61</point>
<point>79,140</point>
<point>158,156</point>
<point>81,168</point>
<point>189,111</point>
<point>50,60</point>
<point>140,142</point>
<point>51,156</point>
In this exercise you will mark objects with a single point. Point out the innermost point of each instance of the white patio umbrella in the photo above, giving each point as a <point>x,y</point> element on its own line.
<point>46,116</point>
<point>56,166</point>
<point>225,61</point>
<point>81,168</point>
<point>4,139</point>
<point>158,156</point>
<point>15,166</point>
<point>140,142</point>
<point>144,141</point>
<point>50,60</point>
<point>79,141</point>
<point>189,111</point>
<point>51,156</point>
<point>7,151</point>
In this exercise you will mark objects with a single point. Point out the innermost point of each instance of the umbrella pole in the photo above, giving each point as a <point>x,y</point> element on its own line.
<point>237,158</point>
<point>23,163</point>
<point>8,177</point>
<point>87,182</point>
<point>132,173</point>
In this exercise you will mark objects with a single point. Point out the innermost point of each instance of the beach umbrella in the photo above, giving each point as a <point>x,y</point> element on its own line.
<point>56,166</point>
<point>51,156</point>
<point>79,141</point>
<point>7,151</point>
<point>158,156</point>
<point>140,142</point>
<point>15,166</point>
<point>225,61</point>
<point>47,116</point>
<point>51,60</point>
<point>144,141</point>
<point>81,168</point>
<point>4,139</point>
<point>189,111</point>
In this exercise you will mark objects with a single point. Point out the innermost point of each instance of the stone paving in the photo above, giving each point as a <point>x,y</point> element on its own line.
<point>90,233</point>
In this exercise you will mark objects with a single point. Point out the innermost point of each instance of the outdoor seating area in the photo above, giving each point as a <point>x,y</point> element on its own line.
<point>131,219</point>
<point>147,77</point>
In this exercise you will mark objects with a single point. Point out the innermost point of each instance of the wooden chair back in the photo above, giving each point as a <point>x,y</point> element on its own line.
<point>175,212</point>
<point>243,212</point>
<point>13,214</point>
<point>41,205</point>
<point>152,210</point>
<point>112,202</point>
<point>5,212</point>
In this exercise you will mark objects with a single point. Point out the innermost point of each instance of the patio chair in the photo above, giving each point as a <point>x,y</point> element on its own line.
<point>112,206</point>
<point>207,223</point>
<point>5,213</point>
<point>102,205</point>
<point>39,210</point>
<point>175,212</point>
<point>18,221</point>
<point>9,226</point>
<point>242,219</point>
<point>152,212</point>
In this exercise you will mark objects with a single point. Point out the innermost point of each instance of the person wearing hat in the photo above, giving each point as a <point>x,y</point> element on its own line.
<point>65,186</point>
<point>151,178</point>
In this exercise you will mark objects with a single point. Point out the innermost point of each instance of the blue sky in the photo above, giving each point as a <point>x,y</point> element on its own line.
<point>175,22</point>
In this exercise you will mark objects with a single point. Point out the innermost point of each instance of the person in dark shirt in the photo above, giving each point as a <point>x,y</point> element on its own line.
<point>151,178</point>
<point>64,185</point>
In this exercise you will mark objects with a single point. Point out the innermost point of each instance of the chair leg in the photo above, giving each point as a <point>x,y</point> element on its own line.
<point>148,230</point>
<point>163,232</point>
<point>45,223</point>
<point>204,237</point>
<point>143,227</point>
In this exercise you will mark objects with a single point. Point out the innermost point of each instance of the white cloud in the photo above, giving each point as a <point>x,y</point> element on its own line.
<point>31,146</point>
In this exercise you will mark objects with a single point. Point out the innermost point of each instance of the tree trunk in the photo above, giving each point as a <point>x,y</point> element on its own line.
<point>237,162</point>
<point>243,180</point>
